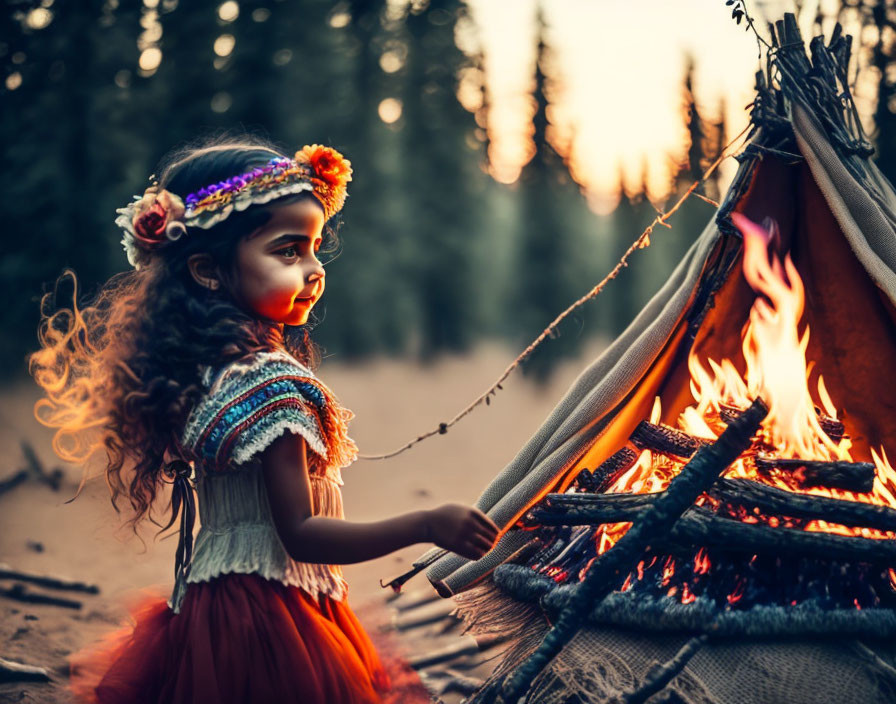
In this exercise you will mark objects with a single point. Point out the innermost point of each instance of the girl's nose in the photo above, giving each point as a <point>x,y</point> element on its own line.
<point>316,273</point>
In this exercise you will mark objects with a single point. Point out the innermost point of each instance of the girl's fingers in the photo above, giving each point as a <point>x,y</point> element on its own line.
<point>486,522</point>
<point>489,535</point>
<point>482,544</point>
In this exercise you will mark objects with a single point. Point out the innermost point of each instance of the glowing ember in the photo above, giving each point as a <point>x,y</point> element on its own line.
<point>701,562</point>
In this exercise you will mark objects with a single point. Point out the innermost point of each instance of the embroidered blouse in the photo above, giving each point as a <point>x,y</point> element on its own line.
<point>247,405</point>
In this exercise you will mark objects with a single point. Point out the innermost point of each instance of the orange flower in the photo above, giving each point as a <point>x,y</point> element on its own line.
<point>327,164</point>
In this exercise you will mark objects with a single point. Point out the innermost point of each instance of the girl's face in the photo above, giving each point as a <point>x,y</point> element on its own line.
<point>279,275</point>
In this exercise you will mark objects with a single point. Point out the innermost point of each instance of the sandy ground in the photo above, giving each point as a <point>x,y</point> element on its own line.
<point>394,401</point>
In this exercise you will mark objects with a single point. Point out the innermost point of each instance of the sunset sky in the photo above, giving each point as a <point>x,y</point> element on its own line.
<point>620,65</point>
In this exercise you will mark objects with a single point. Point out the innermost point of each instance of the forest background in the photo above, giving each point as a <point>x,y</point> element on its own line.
<point>450,237</point>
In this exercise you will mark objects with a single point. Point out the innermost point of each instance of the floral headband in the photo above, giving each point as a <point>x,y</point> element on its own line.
<point>159,216</point>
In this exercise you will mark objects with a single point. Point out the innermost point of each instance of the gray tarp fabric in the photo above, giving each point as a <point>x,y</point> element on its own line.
<point>864,204</point>
<point>560,441</point>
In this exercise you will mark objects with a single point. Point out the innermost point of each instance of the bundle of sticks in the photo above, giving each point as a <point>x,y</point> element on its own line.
<point>740,515</point>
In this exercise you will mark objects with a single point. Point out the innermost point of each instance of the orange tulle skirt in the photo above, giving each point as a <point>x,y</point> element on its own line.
<point>238,638</point>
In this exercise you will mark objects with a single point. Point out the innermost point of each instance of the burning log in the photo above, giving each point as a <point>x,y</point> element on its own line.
<point>663,439</point>
<point>850,476</point>
<point>608,471</point>
<point>695,477</point>
<point>588,509</point>
<point>743,492</point>
<point>595,509</point>
<point>832,427</point>
<point>701,527</point>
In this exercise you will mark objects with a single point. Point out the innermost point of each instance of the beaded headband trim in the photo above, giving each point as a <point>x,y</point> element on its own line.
<point>159,216</point>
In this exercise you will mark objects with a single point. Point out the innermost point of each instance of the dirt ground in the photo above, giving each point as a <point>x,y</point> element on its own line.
<point>394,401</point>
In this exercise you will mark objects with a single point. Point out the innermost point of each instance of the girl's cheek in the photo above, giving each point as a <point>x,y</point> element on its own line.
<point>273,302</point>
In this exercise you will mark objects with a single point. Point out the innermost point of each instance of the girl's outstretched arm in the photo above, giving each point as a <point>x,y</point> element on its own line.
<point>308,538</point>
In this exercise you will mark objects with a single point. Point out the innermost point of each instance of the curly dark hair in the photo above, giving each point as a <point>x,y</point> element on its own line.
<point>122,374</point>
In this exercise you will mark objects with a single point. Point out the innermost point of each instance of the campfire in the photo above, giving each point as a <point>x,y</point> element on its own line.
<point>793,519</point>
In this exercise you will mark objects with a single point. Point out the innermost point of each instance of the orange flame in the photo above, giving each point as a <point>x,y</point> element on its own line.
<point>776,369</point>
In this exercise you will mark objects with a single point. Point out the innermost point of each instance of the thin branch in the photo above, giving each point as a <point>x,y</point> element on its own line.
<point>640,243</point>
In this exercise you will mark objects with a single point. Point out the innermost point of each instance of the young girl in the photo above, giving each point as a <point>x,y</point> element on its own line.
<point>195,369</point>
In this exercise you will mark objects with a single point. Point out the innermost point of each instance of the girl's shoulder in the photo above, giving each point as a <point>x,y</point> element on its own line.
<point>252,401</point>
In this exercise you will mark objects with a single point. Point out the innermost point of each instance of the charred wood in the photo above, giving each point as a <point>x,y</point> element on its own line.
<point>588,509</point>
<point>595,509</point>
<point>701,528</point>
<point>832,427</point>
<point>708,463</point>
<point>663,439</point>
<point>612,468</point>
<point>850,476</point>
<point>857,514</point>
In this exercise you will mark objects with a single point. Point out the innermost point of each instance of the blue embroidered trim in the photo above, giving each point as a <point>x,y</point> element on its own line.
<point>259,395</point>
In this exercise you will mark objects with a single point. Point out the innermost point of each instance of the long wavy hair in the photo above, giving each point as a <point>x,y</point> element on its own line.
<point>121,374</point>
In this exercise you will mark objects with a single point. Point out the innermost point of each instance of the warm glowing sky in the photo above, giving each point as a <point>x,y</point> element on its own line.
<point>621,63</point>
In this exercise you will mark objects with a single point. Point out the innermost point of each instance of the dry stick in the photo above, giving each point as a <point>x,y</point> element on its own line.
<point>20,672</point>
<point>43,580</point>
<point>639,243</point>
<point>695,477</point>
<point>661,675</point>
<point>20,592</point>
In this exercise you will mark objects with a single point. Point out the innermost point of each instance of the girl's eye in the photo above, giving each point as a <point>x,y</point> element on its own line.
<point>289,252</point>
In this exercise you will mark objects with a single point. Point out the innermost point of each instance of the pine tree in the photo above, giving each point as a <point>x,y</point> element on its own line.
<point>717,143</point>
<point>551,249</point>
<point>692,166</point>
<point>884,60</point>
<point>442,180</point>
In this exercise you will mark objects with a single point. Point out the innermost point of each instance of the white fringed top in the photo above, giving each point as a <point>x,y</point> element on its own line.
<point>248,406</point>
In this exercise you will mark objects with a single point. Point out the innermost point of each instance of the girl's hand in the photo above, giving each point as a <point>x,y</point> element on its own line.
<point>461,529</point>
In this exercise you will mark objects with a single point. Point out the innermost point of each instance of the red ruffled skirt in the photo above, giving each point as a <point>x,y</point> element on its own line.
<point>238,638</point>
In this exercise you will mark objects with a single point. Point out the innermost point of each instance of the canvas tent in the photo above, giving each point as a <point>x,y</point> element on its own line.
<point>808,167</point>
